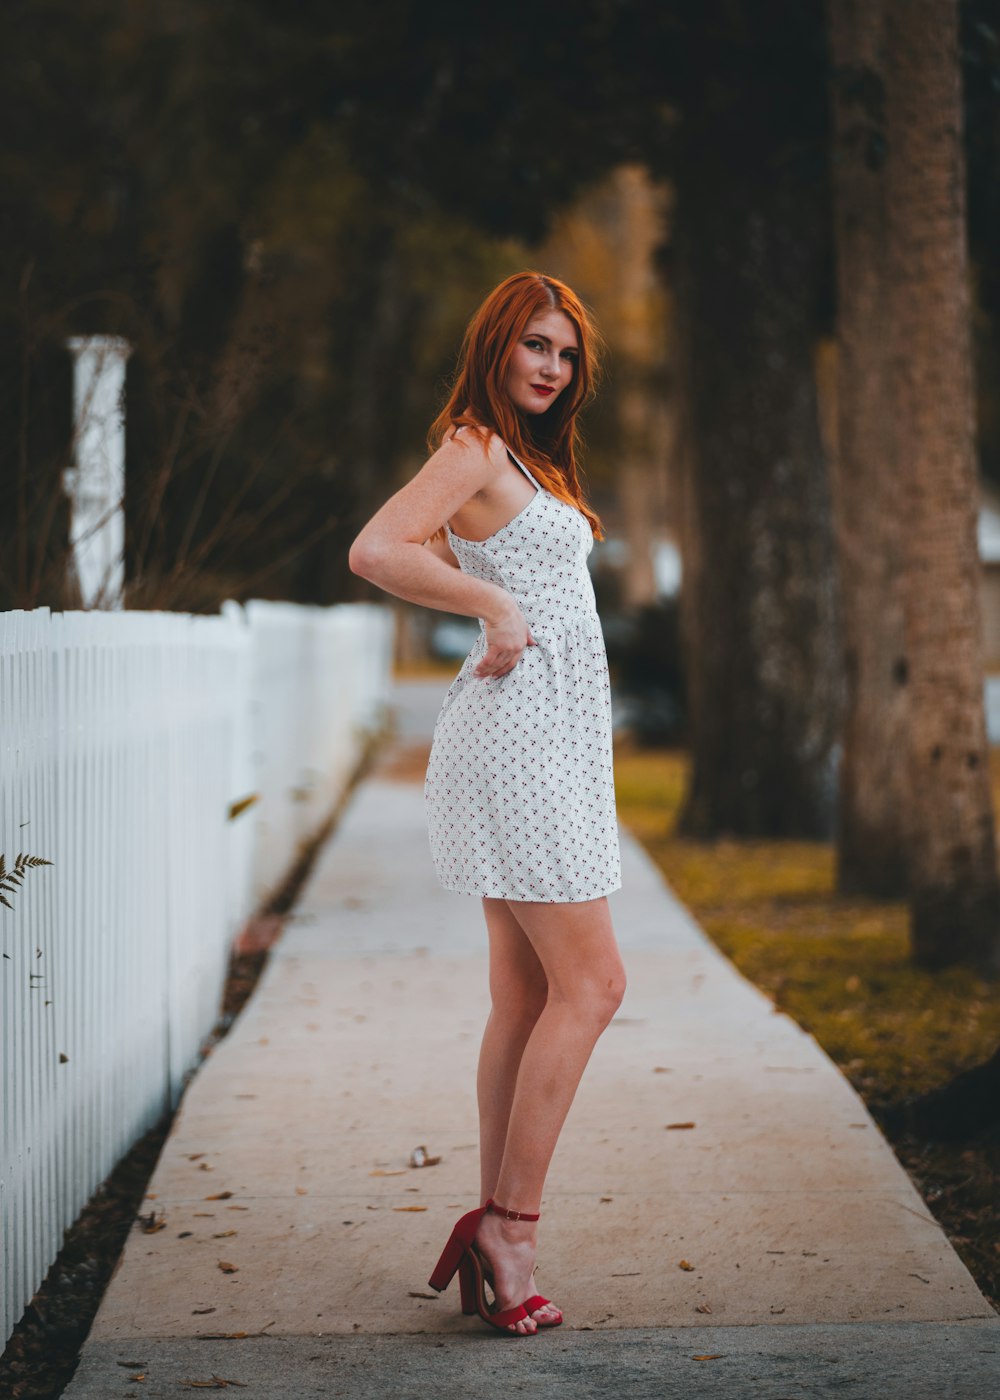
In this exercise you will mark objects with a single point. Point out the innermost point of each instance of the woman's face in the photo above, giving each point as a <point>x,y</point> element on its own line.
<point>544,362</point>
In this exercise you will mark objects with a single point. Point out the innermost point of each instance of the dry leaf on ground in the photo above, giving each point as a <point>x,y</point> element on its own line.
<point>216,1383</point>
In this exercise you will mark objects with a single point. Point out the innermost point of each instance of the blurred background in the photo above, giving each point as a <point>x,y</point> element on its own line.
<point>289,213</point>
<point>785,215</point>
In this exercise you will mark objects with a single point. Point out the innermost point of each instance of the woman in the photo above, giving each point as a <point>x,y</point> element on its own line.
<point>519,792</point>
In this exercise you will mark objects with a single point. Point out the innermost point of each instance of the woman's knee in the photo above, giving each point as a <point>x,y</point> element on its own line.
<point>595,999</point>
<point>612,994</point>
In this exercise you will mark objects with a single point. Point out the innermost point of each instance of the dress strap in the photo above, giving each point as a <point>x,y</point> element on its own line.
<point>518,463</point>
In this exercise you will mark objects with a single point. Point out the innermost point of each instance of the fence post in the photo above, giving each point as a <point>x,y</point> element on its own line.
<point>96,485</point>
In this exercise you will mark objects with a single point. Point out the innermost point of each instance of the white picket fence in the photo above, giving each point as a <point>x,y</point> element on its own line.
<point>125,739</point>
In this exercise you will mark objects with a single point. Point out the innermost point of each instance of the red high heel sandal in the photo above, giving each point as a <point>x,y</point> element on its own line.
<point>461,1256</point>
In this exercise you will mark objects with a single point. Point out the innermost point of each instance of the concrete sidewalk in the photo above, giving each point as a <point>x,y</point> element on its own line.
<point>772,1246</point>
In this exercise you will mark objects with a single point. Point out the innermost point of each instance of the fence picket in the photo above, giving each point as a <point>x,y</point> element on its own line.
<point>124,738</point>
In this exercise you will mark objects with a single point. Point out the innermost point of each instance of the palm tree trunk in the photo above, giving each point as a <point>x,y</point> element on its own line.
<point>954,891</point>
<point>871,844</point>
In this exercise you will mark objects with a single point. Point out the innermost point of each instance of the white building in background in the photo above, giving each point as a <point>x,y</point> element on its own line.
<point>96,484</point>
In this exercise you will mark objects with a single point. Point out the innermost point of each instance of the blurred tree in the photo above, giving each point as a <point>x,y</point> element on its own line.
<point>865,470</point>
<point>751,269</point>
<point>951,847</point>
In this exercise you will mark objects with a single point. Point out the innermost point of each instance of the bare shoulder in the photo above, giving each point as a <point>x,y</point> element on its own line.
<point>462,467</point>
<point>478,451</point>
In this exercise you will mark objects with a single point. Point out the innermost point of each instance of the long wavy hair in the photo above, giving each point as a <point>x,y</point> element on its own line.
<point>545,442</point>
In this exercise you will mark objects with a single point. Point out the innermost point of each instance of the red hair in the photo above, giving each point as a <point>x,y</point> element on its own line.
<point>545,442</point>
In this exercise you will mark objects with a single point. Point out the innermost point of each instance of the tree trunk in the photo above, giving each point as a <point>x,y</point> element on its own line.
<point>967,1105</point>
<point>954,892</point>
<point>758,596</point>
<point>871,845</point>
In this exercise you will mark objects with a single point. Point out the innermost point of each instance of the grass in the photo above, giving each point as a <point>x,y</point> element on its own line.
<point>841,968</point>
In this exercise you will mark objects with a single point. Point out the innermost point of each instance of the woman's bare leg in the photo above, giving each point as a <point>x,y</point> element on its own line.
<point>518,988</point>
<point>575,947</point>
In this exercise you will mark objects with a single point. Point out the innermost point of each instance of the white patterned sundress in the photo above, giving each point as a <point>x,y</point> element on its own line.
<point>519,790</point>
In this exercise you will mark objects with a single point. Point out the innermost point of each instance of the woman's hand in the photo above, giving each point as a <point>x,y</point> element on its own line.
<point>506,638</point>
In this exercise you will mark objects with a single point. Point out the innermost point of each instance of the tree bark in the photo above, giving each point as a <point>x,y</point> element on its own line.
<point>967,1105</point>
<point>758,596</point>
<point>871,844</point>
<point>954,891</point>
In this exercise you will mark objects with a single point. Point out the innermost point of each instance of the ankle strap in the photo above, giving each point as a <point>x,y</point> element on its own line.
<point>492,1206</point>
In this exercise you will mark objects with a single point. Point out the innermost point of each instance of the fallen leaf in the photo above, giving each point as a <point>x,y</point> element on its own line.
<point>216,1383</point>
<point>606,1200</point>
<point>680,1125</point>
<point>228,1268</point>
<point>152,1222</point>
<point>195,1156</point>
<point>662,1069</point>
<point>131,1363</point>
<point>221,1336</point>
<point>237,1207</point>
<point>419,1158</point>
<point>219,1196</point>
<point>185,1234</point>
<point>378,1172</point>
<point>223,1234</point>
<point>709,1356</point>
<point>301,1191</point>
<point>204,1167</point>
<point>432,1296</point>
<point>139,1376</point>
<point>689,1268</point>
<point>198,1312</point>
<point>703,1307</point>
<point>409,1207</point>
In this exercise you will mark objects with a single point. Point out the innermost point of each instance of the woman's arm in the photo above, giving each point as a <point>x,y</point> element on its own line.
<point>390,550</point>
<point>442,550</point>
